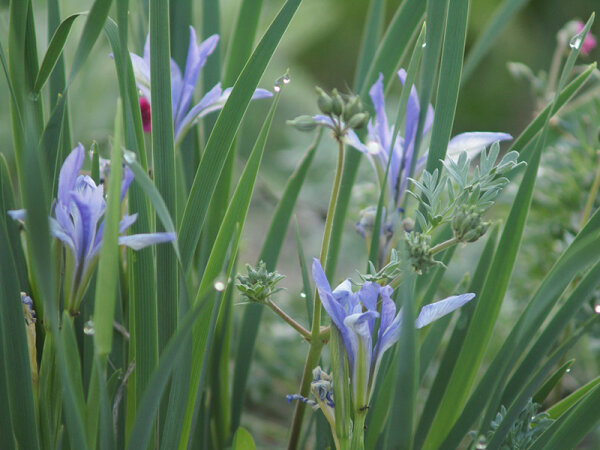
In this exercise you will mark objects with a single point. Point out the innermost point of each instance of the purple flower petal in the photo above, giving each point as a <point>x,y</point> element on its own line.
<point>126,181</point>
<point>209,98</point>
<point>434,311</point>
<point>381,122</point>
<point>139,241</point>
<point>126,222</point>
<point>473,143</point>
<point>69,173</point>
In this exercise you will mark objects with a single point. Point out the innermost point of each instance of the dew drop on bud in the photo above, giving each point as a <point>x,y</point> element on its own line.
<point>88,328</point>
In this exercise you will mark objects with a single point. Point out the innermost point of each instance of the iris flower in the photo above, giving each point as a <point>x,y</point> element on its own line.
<point>354,314</point>
<point>78,223</point>
<point>182,87</point>
<point>379,146</point>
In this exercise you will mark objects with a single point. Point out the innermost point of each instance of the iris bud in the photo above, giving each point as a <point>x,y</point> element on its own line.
<point>303,123</point>
<point>324,101</point>
<point>337,105</point>
<point>353,106</point>
<point>358,121</point>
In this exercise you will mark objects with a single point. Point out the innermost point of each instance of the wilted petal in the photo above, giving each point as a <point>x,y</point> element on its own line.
<point>17,214</point>
<point>139,241</point>
<point>69,173</point>
<point>473,143</point>
<point>434,311</point>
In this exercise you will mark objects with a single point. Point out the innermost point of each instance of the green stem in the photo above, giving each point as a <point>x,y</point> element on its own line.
<point>317,340</point>
<point>295,325</point>
<point>358,430</point>
<point>444,245</point>
<point>554,68</point>
<point>591,197</point>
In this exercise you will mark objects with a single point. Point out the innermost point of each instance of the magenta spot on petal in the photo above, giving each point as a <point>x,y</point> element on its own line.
<point>145,111</point>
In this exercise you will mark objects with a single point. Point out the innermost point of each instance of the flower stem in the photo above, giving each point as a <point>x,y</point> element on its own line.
<point>444,245</point>
<point>295,325</point>
<point>317,340</point>
<point>358,431</point>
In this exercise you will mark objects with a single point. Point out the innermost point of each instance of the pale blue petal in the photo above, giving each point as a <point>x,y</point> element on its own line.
<point>139,241</point>
<point>209,98</point>
<point>17,214</point>
<point>434,311</point>
<point>324,120</point>
<point>361,326</point>
<point>127,179</point>
<point>58,232</point>
<point>369,294</point>
<point>473,143</point>
<point>381,122</point>
<point>352,140</point>
<point>127,221</point>
<point>141,72</point>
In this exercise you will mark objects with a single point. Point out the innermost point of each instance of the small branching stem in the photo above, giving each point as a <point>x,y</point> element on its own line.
<point>444,245</point>
<point>295,325</point>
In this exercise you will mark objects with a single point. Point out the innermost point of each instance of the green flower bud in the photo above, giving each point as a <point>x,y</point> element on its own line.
<point>337,105</point>
<point>259,284</point>
<point>324,101</point>
<point>353,106</point>
<point>419,251</point>
<point>467,224</point>
<point>303,123</point>
<point>358,121</point>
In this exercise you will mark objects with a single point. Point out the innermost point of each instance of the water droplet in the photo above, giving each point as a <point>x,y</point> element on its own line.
<point>279,82</point>
<point>576,41</point>
<point>219,286</point>
<point>33,97</point>
<point>88,328</point>
<point>424,44</point>
<point>302,294</point>
<point>597,308</point>
<point>568,370</point>
<point>481,442</point>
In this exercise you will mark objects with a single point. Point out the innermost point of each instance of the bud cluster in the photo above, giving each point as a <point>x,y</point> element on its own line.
<point>419,251</point>
<point>467,224</point>
<point>259,284</point>
<point>342,113</point>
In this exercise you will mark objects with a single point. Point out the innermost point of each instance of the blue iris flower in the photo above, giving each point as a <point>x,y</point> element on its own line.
<point>380,149</point>
<point>78,222</point>
<point>182,87</point>
<point>354,315</point>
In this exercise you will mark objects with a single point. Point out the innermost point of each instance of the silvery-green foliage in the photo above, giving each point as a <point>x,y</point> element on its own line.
<point>387,273</point>
<point>524,431</point>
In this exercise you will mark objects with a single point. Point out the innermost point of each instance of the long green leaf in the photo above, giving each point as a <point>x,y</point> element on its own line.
<point>108,265</point>
<point>234,218</point>
<point>224,132</point>
<point>269,254</point>
<point>242,440</point>
<point>448,86</point>
<point>456,341</point>
<point>558,409</point>
<point>91,30</point>
<point>551,382</point>
<point>54,51</point>
<point>370,39</point>
<point>16,374</point>
<point>579,422</point>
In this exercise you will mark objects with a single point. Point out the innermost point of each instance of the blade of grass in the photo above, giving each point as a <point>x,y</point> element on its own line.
<point>449,83</point>
<point>224,132</point>
<point>16,373</point>
<point>234,218</point>
<point>456,341</point>
<point>551,382</point>
<point>163,149</point>
<point>370,39</point>
<point>558,409</point>
<point>269,254</point>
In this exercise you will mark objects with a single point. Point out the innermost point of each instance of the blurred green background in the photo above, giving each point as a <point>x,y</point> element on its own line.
<point>319,48</point>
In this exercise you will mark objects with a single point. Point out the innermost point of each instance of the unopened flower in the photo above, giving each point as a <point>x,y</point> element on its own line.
<point>182,87</point>
<point>146,114</point>
<point>78,222</point>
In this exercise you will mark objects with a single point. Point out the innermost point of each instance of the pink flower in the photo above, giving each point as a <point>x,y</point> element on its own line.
<point>589,43</point>
<point>146,117</point>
